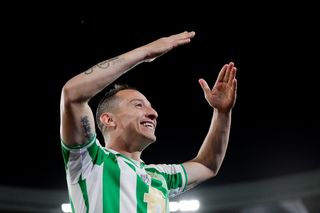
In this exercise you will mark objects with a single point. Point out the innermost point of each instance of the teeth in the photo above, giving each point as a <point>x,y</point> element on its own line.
<point>148,125</point>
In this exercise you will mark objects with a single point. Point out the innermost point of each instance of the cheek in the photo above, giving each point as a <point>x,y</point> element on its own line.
<point>128,119</point>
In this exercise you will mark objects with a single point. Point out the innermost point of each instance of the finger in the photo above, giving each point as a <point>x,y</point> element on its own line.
<point>227,75</point>
<point>183,35</point>
<point>234,87</point>
<point>182,38</point>
<point>205,87</point>
<point>233,72</point>
<point>221,73</point>
<point>180,42</point>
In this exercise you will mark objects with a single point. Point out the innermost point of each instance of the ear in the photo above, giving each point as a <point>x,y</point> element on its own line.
<point>107,120</point>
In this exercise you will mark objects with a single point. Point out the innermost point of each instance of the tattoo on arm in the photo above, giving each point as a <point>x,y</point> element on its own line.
<point>104,65</point>
<point>86,126</point>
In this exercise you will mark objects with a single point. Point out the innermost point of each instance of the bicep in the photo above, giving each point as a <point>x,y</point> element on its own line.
<point>197,173</point>
<point>77,123</point>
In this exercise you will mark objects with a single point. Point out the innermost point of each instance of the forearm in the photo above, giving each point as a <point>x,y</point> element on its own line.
<point>213,149</point>
<point>85,85</point>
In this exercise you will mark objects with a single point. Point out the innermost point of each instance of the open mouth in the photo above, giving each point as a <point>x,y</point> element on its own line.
<point>148,124</point>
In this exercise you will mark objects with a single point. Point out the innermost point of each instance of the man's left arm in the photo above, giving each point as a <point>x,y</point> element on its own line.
<point>221,98</point>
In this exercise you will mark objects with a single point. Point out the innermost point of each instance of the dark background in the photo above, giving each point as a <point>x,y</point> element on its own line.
<point>275,130</point>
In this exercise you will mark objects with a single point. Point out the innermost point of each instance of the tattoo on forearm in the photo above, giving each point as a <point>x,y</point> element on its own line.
<point>104,65</point>
<point>86,126</point>
<point>89,71</point>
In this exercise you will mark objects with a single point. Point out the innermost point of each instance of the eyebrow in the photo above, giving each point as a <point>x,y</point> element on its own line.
<point>136,99</point>
<point>140,100</point>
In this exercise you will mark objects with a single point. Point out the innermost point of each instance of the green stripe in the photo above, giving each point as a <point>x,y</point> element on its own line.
<point>83,187</point>
<point>131,166</point>
<point>173,180</point>
<point>96,153</point>
<point>186,177</point>
<point>72,206</point>
<point>142,189</point>
<point>111,185</point>
<point>160,185</point>
<point>65,154</point>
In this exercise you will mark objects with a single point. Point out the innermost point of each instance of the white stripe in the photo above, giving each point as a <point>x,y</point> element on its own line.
<point>129,162</point>
<point>94,187</point>
<point>128,185</point>
<point>77,198</point>
<point>80,163</point>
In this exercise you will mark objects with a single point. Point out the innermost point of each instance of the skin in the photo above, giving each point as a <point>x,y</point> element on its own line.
<point>131,128</point>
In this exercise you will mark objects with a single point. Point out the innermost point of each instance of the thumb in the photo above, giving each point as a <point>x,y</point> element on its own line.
<point>205,87</point>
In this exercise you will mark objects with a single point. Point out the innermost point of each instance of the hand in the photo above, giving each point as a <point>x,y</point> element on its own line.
<point>223,94</point>
<point>165,44</point>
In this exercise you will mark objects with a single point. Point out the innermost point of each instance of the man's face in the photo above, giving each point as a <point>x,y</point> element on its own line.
<point>135,116</point>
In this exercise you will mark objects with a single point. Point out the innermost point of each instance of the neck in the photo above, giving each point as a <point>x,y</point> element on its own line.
<point>135,155</point>
<point>131,148</point>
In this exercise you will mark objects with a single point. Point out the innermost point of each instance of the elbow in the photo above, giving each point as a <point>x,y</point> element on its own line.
<point>215,171</point>
<point>215,165</point>
<point>211,164</point>
<point>67,94</point>
<point>70,94</point>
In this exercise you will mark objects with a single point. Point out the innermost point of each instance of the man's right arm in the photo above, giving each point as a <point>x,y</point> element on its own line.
<point>77,119</point>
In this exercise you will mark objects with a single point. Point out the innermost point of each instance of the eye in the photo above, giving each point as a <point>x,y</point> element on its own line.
<point>139,105</point>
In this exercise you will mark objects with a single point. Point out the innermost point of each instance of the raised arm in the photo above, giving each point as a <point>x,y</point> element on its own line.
<point>77,120</point>
<point>221,98</point>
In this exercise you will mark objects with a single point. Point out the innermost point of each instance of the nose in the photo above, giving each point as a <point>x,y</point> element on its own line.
<point>152,113</point>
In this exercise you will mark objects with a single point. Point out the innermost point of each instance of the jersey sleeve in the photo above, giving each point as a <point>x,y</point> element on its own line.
<point>174,175</point>
<point>79,160</point>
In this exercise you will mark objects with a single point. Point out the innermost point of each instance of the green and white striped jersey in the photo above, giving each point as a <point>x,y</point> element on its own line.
<point>101,180</point>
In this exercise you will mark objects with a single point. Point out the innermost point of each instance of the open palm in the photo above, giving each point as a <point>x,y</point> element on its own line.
<point>223,94</point>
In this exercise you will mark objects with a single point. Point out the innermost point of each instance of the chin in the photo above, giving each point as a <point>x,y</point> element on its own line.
<point>147,140</point>
<point>150,139</point>
<point>153,140</point>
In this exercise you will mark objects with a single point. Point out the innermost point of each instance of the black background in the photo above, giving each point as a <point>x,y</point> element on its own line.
<point>275,48</point>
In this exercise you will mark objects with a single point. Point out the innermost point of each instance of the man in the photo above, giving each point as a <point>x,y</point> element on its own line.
<point>114,178</point>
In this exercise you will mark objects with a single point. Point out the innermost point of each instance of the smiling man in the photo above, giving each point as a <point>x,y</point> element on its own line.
<point>113,178</point>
